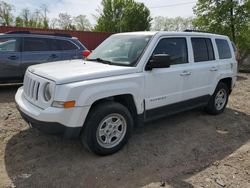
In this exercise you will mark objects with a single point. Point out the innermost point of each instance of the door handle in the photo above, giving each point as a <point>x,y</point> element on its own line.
<point>185,73</point>
<point>13,57</point>
<point>214,69</point>
<point>53,56</point>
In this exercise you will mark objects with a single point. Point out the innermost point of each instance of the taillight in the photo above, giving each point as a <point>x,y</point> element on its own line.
<point>86,53</point>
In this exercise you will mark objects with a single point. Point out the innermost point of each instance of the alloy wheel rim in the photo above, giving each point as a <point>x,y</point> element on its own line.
<point>111,130</point>
<point>220,99</point>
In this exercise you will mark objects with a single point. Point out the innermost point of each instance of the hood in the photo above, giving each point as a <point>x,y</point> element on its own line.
<point>78,70</point>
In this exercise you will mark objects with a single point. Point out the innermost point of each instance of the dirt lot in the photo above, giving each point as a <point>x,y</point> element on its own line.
<point>191,149</point>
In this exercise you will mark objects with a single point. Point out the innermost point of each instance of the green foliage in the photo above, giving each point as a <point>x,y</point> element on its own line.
<point>38,19</point>
<point>44,9</point>
<point>65,21</point>
<point>82,23</point>
<point>32,19</point>
<point>6,16</point>
<point>19,22</point>
<point>228,17</point>
<point>172,24</point>
<point>123,16</point>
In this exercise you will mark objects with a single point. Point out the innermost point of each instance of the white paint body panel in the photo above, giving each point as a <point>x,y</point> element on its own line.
<point>78,70</point>
<point>86,82</point>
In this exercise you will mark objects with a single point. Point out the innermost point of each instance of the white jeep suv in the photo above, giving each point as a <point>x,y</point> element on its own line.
<point>130,78</point>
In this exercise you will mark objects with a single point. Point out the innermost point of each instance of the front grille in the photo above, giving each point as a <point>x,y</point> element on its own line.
<point>31,88</point>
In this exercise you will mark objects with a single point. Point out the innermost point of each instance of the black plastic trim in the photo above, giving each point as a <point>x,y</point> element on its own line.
<point>176,108</point>
<point>52,127</point>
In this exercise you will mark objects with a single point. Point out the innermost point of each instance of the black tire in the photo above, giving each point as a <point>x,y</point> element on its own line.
<point>211,107</point>
<point>89,135</point>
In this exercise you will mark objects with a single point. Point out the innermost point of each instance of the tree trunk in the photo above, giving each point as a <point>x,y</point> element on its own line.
<point>232,21</point>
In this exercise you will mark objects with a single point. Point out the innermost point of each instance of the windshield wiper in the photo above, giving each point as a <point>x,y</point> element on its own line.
<point>101,61</point>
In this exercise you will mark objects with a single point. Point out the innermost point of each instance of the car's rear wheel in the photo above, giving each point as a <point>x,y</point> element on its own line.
<point>218,100</point>
<point>107,128</point>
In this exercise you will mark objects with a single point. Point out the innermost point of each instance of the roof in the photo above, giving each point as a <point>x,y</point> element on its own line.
<point>37,33</point>
<point>187,33</point>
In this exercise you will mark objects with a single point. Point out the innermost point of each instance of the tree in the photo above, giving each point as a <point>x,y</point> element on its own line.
<point>171,24</point>
<point>29,19</point>
<point>82,23</point>
<point>6,16</point>
<point>19,22</point>
<point>228,17</point>
<point>25,15</point>
<point>123,16</point>
<point>45,10</point>
<point>35,19</point>
<point>53,23</point>
<point>65,21</point>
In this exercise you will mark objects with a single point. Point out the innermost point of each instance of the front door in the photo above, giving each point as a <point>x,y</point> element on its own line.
<point>10,59</point>
<point>164,86</point>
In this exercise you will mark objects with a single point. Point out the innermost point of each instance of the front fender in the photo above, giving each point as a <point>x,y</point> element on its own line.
<point>85,93</point>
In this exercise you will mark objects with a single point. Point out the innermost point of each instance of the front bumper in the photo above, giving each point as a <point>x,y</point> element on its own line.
<point>52,127</point>
<point>65,122</point>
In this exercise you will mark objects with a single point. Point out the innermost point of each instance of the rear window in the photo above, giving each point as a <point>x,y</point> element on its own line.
<point>36,44</point>
<point>66,45</point>
<point>203,49</point>
<point>223,49</point>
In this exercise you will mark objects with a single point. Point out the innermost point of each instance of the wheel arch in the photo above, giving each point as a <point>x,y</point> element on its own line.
<point>126,100</point>
<point>228,81</point>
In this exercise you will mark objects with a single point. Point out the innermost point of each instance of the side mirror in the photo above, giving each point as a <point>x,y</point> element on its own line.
<point>159,61</point>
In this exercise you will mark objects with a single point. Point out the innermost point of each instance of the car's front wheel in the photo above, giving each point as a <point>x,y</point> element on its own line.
<point>107,128</point>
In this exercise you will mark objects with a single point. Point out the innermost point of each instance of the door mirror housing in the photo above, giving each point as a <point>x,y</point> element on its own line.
<point>158,61</point>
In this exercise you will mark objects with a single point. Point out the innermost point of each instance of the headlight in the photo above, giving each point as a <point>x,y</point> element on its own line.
<point>47,92</point>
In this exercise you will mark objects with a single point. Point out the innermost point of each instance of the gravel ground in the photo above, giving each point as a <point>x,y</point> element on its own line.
<point>191,149</point>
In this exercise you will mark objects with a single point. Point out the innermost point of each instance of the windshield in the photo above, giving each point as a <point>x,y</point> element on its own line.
<point>120,49</point>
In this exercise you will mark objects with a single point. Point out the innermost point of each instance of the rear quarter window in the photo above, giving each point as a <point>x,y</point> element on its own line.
<point>223,49</point>
<point>66,45</point>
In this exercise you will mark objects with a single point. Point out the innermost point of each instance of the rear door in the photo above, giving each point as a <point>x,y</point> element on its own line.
<point>38,50</point>
<point>10,59</point>
<point>203,69</point>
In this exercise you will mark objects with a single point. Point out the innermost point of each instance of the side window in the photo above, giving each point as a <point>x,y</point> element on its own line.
<point>8,44</point>
<point>66,45</point>
<point>210,49</point>
<point>36,44</point>
<point>55,45</point>
<point>223,49</point>
<point>176,48</point>
<point>203,49</point>
<point>234,46</point>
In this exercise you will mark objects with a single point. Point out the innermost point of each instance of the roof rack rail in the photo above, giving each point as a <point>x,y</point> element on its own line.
<point>193,30</point>
<point>39,33</point>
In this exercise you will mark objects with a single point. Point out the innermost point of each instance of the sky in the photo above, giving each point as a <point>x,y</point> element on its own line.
<point>168,8</point>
